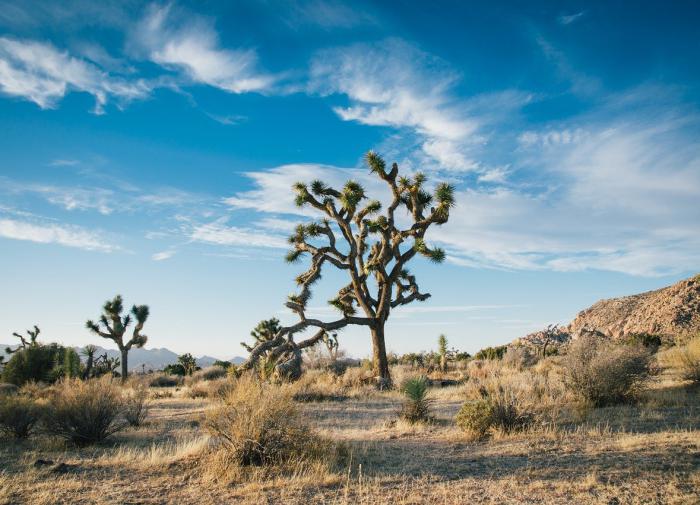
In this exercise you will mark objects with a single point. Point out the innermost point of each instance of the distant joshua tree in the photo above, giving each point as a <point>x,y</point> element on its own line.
<point>113,326</point>
<point>378,278</point>
<point>442,350</point>
<point>24,343</point>
<point>188,363</point>
<point>89,353</point>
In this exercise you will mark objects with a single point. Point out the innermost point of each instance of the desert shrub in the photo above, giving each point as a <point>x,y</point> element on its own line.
<point>33,363</point>
<point>165,381</point>
<point>209,374</point>
<point>602,373</point>
<point>509,412</point>
<point>356,377</point>
<point>475,417</point>
<point>491,352</point>
<point>498,403</point>
<point>7,389</point>
<point>318,386</point>
<point>174,369</point>
<point>199,390</point>
<point>18,415</point>
<point>519,357</point>
<point>258,424</point>
<point>222,364</point>
<point>416,404</point>
<point>135,406</point>
<point>685,360</point>
<point>67,364</point>
<point>648,340</point>
<point>85,412</point>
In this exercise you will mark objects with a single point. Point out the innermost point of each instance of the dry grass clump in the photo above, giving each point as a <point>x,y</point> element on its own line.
<point>258,424</point>
<point>498,405</point>
<point>18,415</point>
<point>210,373</point>
<point>685,360</point>
<point>135,406</point>
<point>165,381</point>
<point>520,357</point>
<point>85,412</point>
<point>602,373</point>
<point>319,386</point>
<point>356,378</point>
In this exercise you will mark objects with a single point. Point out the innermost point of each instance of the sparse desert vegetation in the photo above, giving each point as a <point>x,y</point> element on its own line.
<point>502,431</point>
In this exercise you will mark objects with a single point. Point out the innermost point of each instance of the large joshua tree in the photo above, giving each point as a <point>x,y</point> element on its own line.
<point>372,247</point>
<point>113,326</point>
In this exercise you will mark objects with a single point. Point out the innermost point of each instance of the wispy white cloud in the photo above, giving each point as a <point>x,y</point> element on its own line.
<point>60,162</point>
<point>43,74</point>
<point>620,197</point>
<point>327,14</point>
<point>51,233</point>
<point>392,83</point>
<point>189,43</point>
<point>219,233</point>
<point>567,19</point>
<point>228,119</point>
<point>163,255</point>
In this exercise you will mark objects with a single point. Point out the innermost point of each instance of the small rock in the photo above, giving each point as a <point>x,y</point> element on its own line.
<point>62,468</point>
<point>42,462</point>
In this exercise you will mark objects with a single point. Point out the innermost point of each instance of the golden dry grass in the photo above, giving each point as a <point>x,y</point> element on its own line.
<point>643,453</point>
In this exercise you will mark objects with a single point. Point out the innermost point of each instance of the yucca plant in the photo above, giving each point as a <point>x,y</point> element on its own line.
<point>416,404</point>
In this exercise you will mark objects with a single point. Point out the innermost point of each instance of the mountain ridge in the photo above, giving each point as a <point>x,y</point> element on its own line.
<point>145,358</point>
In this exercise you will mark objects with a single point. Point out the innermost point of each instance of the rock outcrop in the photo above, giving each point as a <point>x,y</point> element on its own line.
<point>670,313</point>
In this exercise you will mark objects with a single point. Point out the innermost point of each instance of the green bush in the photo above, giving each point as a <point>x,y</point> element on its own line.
<point>18,415</point>
<point>648,340</point>
<point>491,353</point>
<point>602,373</point>
<point>475,417</point>
<point>416,404</point>
<point>85,412</point>
<point>33,363</point>
<point>41,363</point>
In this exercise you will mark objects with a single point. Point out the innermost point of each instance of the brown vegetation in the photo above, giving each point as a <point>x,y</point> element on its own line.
<point>251,442</point>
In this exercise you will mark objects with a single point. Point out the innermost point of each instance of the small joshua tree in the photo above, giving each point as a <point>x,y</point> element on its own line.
<point>442,350</point>
<point>24,343</point>
<point>113,326</point>
<point>89,353</point>
<point>332,346</point>
<point>373,249</point>
<point>188,363</point>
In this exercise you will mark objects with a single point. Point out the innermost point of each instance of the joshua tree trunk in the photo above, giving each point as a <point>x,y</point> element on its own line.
<point>379,360</point>
<point>125,364</point>
<point>88,367</point>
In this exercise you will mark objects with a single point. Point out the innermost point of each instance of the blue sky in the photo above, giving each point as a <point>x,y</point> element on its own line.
<point>148,149</point>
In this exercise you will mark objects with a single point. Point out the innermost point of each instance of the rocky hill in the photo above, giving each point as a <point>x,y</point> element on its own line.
<point>670,312</point>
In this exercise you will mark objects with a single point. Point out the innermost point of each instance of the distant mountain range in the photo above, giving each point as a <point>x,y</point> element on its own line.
<point>148,359</point>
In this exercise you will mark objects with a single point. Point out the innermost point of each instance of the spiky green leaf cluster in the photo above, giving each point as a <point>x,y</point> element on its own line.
<point>302,194</point>
<point>351,195</point>
<point>375,162</point>
<point>436,255</point>
<point>293,256</point>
